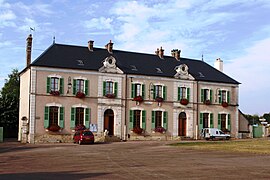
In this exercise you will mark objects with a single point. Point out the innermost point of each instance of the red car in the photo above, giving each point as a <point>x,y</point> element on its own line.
<point>84,137</point>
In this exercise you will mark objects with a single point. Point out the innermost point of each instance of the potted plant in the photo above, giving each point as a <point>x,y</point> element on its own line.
<point>55,93</point>
<point>138,99</point>
<point>160,129</point>
<point>80,95</point>
<point>184,101</point>
<point>159,99</point>
<point>110,95</point>
<point>207,102</point>
<point>224,104</point>
<point>80,127</point>
<point>137,130</point>
<point>54,128</point>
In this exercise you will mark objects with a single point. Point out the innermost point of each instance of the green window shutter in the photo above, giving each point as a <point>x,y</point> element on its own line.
<point>143,91</point>
<point>74,87</point>
<point>229,122</point>
<point>202,95</point>
<point>219,121</point>
<point>86,87</point>
<point>211,95</point>
<point>143,119</point>
<point>154,92</point>
<point>165,120</point>
<point>62,116</point>
<point>188,94</point>
<point>132,90</point>
<point>46,117</point>
<point>219,97</point>
<point>165,92</point>
<point>87,118</point>
<point>48,85</point>
<point>131,118</point>
<point>72,118</point>
<point>115,88</point>
<point>179,94</point>
<point>228,96</point>
<point>153,120</point>
<point>104,88</point>
<point>211,120</point>
<point>201,122</point>
<point>61,90</point>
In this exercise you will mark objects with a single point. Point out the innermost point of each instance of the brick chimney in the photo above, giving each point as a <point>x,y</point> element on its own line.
<point>176,54</point>
<point>109,47</point>
<point>91,45</point>
<point>28,49</point>
<point>160,53</point>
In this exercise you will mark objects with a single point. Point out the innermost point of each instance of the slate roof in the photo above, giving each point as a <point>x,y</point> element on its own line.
<point>72,57</point>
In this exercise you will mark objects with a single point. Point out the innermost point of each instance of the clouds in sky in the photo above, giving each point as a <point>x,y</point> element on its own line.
<point>237,31</point>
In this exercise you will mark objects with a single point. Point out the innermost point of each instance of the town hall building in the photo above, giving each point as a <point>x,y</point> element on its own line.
<point>128,95</point>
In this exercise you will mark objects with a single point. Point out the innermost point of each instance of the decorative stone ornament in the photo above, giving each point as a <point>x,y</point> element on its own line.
<point>109,66</point>
<point>182,72</point>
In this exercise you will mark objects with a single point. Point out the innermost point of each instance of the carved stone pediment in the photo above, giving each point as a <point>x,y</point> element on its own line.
<point>109,66</point>
<point>182,72</point>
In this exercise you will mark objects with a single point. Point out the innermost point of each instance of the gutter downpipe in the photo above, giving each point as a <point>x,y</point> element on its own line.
<point>125,125</point>
<point>197,114</point>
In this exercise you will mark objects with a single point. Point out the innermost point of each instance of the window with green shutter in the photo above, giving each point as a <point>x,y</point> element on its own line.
<point>131,118</point>
<point>153,119</point>
<point>228,96</point>
<point>72,118</point>
<point>179,94</point>
<point>219,121</point>
<point>164,92</point>
<point>143,119</point>
<point>62,115</point>
<point>74,87</point>
<point>46,117</point>
<point>61,90</point>
<point>201,122</point>
<point>48,89</point>
<point>211,120</point>
<point>165,120</point>
<point>202,95</point>
<point>229,122</point>
<point>143,91</point>
<point>87,118</point>
<point>86,87</point>
<point>115,89</point>
<point>188,94</point>
<point>211,95</point>
<point>104,88</point>
<point>132,90</point>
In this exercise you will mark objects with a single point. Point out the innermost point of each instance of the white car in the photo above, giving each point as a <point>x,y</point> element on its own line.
<point>214,133</point>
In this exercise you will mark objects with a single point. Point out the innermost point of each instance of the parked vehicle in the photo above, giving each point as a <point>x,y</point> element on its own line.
<point>214,133</point>
<point>84,137</point>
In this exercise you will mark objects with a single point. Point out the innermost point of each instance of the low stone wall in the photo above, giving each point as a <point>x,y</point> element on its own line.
<point>54,138</point>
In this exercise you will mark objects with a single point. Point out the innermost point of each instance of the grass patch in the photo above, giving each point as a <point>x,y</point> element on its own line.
<point>257,146</point>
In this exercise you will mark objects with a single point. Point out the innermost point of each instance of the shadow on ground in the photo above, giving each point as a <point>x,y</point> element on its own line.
<point>51,175</point>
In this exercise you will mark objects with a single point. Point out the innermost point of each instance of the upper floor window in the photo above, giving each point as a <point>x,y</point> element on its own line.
<point>55,85</point>
<point>224,96</point>
<point>160,91</point>
<point>137,89</point>
<point>110,89</point>
<point>206,95</point>
<point>183,93</point>
<point>80,87</point>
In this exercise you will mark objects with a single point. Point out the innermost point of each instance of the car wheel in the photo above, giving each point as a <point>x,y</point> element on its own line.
<point>207,139</point>
<point>227,138</point>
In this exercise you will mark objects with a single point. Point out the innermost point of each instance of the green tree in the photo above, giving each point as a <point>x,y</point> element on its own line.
<point>267,117</point>
<point>252,119</point>
<point>9,104</point>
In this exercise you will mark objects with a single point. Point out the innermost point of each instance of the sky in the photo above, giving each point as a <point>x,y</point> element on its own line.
<point>237,31</point>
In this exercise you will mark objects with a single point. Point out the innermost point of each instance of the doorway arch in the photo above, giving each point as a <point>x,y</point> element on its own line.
<point>182,124</point>
<point>109,121</point>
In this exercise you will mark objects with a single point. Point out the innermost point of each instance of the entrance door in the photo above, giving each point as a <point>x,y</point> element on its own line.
<point>182,124</point>
<point>109,121</point>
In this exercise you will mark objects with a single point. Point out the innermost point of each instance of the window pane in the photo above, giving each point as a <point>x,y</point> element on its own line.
<point>183,93</point>
<point>80,85</point>
<point>223,122</point>
<point>137,118</point>
<point>223,96</point>
<point>54,84</point>
<point>158,118</point>
<point>109,87</point>
<point>158,91</point>
<point>79,116</point>
<point>206,94</point>
<point>137,89</point>
<point>53,115</point>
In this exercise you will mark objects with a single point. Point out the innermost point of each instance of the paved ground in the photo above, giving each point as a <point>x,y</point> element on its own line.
<point>126,160</point>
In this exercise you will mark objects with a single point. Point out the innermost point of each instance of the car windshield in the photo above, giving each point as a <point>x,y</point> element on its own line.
<point>87,133</point>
